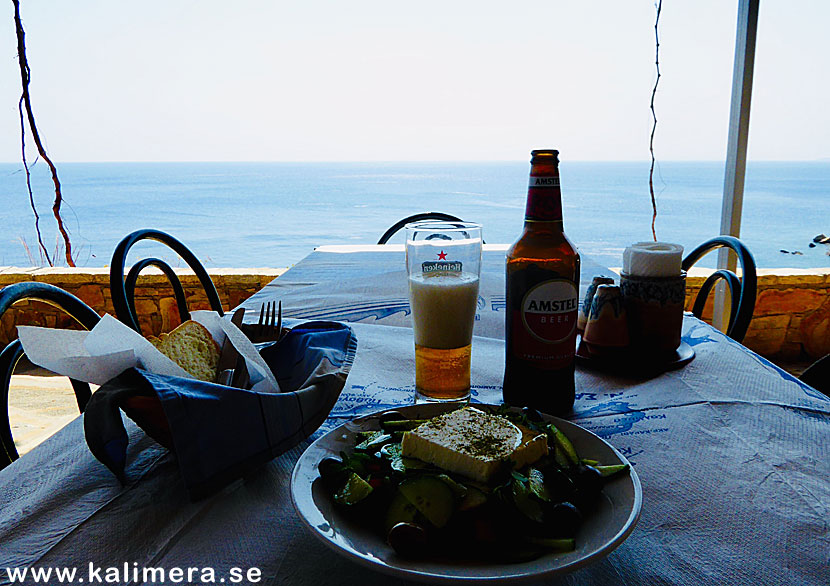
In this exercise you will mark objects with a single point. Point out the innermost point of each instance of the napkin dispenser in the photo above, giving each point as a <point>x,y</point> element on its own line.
<point>653,287</point>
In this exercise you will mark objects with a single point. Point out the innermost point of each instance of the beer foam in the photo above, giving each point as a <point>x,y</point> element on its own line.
<point>443,309</point>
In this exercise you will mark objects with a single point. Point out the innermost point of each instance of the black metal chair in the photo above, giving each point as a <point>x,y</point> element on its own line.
<point>817,375</point>
<point>13,352</point>
<point>123,289</point>
<point>416,218</point>
<point>742,290</point>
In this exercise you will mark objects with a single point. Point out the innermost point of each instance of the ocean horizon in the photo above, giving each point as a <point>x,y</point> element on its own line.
<point>252,214</point>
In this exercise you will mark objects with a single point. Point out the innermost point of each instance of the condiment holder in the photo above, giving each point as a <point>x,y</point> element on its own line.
<point>636,326</point>
<point>607,327</point>
<point>585,308</point>
<point>653,287</point>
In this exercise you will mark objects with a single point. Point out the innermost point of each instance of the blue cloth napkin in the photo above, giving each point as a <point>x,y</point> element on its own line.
<point>219,433</point>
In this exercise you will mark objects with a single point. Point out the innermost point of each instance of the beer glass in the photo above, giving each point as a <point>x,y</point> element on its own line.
<point>443,262</point>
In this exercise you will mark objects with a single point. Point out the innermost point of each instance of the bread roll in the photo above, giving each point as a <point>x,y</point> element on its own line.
<point>193,348</point>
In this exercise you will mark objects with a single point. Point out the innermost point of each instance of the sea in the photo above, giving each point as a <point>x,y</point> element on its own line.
<point>251,215</point>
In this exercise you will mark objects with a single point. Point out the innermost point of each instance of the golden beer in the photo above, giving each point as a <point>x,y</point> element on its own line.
<point>443,314</point>
<point>443,374</point>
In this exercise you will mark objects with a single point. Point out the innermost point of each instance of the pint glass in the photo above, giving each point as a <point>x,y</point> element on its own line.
<point>443,261</point>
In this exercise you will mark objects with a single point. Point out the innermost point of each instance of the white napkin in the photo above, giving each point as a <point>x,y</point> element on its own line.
<point>112,347</point>
<point>653,259</point>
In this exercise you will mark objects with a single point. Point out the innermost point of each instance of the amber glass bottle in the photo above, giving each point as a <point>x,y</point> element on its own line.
<point>542,299</point>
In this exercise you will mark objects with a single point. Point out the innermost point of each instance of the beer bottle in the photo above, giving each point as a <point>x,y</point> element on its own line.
<point>542,299</point>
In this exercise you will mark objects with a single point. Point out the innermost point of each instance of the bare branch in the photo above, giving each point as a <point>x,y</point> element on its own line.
<point>43,250</point>
<point>659,7</point>
<point>25,78</point>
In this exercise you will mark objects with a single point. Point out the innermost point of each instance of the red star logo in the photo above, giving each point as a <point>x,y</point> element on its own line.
<point>442,255</point>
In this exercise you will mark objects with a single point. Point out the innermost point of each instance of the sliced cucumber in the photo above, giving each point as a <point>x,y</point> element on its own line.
<point>474,498</point>
<point>611,469</point>
<point>563,445</point>
<point>556,545</point>
<point>400,511</point>
<point>525,502</point>
<point>458,490</point>
<point>431,496</point>
<point>401,425</point>
<point>355,490</point>
<point>536,484</point>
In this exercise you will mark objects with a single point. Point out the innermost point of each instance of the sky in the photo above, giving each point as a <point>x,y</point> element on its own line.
<point>454,80</point>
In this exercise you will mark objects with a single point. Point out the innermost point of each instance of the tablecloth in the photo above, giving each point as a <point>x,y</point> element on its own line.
<point>731,452</point>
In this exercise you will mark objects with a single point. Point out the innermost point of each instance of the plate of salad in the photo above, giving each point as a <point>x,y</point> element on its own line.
<point>442,493</point>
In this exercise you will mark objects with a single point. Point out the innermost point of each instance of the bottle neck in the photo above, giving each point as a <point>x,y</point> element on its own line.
<point>544,196</point>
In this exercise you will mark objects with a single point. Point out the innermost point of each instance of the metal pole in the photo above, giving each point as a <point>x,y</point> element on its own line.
<point>733,184</point>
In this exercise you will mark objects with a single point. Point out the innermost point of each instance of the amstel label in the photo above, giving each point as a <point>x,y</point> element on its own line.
<point>543,181</point>
<point>540,325</point>
<point>549,310</point>
<point>544,199</point>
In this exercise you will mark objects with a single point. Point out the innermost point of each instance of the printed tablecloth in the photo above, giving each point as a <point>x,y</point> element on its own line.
<point>731,452</point>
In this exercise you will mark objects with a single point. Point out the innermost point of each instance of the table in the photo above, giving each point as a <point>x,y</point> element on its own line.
<point>731,452</point>
<point>368,284</point>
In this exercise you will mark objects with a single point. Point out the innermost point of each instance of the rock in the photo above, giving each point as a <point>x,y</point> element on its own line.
<point>812,245</point>
<point>822,239</point>
<point>797,253</point>
<point>784,251</point>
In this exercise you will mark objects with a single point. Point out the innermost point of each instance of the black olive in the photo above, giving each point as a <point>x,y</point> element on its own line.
<point>391,416</point>
<point>532,414</point>
<point>588,481</point>
<point>559,484</point>
<point>408,540</point>
<point>330,467</point>
<point>332,472</point>
<point>563,519</point>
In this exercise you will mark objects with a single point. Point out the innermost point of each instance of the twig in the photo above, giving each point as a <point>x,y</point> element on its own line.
<point>44,252</point>
<point>659,6</point>
<point>28,251</point>
<point>25,76</point>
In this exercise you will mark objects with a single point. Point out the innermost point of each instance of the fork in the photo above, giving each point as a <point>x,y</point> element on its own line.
<point>269,326</point>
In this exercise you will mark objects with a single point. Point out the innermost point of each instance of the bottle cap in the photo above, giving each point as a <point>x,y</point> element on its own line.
<point>545,153</point>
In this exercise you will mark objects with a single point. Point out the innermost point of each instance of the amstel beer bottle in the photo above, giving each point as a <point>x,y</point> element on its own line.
<point>542,299</point>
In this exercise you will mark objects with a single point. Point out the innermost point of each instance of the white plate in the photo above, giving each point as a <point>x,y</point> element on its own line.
<point>614,518</point>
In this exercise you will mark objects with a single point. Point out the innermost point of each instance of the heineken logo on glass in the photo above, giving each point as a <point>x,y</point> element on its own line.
<point>442,265</point>
<point>549,310</point>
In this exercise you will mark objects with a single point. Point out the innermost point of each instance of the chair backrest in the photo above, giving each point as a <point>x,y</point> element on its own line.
<point>123,289</point>
<point>743,291</point>
<point>817,375</point>
<point>416,218</point>
<point>13,352</point>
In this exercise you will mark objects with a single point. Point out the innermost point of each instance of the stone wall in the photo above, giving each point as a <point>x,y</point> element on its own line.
<point>791,321</point>
<point>792,312</point>
<point>154,301</point>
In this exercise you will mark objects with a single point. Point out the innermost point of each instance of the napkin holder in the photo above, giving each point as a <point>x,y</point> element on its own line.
<point>653,287</point>
<point>655,312</point>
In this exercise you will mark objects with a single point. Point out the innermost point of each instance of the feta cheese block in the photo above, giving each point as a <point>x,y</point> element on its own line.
<point>472,443</point>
